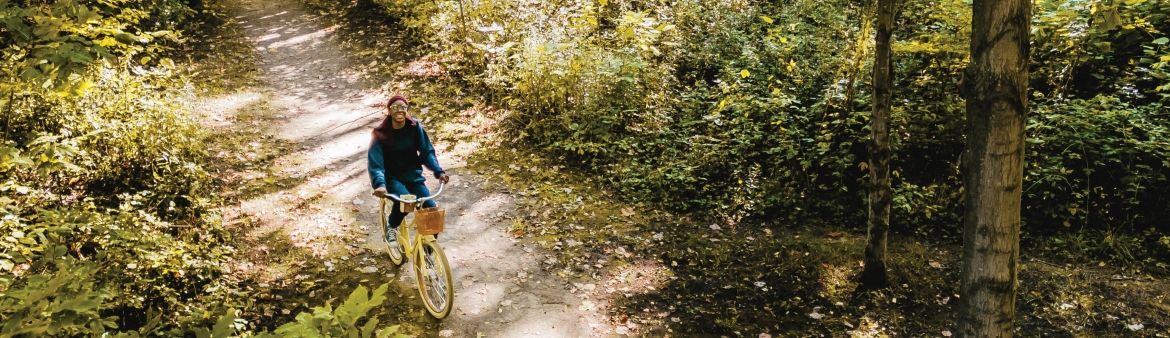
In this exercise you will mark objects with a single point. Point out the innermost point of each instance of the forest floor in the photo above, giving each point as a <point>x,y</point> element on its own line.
<point>294,140</point>
<point>539,249</point>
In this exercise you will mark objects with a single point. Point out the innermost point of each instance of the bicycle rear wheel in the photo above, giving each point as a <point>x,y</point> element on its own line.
<point>434,279</point>
<point>389,235</point>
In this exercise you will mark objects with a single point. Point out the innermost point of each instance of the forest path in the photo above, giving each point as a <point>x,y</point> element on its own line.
<point>321,107</point>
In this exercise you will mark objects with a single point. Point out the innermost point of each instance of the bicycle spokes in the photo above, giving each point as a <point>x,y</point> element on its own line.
<point>438,284</point>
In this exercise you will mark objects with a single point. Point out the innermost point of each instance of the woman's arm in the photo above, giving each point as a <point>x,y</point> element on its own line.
<point>427,151</point>
<point>375,166</point>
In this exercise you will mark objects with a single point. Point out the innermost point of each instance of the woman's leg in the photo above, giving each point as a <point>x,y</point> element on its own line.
<point>420,190</point>
<point>396,188</point>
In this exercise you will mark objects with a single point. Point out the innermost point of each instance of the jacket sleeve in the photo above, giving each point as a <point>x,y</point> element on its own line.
<point>427,152</point>
<point>375,165</point>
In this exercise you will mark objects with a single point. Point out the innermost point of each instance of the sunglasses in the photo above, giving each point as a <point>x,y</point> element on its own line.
<point>398,108</point>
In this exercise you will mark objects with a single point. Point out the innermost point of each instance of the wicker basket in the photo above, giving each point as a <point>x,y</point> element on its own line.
<point>406,207</point>
<point>429,221</point>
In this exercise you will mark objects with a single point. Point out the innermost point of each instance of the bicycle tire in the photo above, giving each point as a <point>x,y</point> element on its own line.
<point>394,249</point>
<point>433,275</point>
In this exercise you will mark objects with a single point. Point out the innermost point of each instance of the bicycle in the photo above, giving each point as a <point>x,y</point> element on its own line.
<point>432,273</point>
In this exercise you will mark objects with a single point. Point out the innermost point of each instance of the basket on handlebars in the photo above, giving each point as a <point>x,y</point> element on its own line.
<point>429,221</point>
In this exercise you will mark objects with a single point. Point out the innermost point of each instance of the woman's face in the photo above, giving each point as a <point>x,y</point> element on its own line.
<point>397,111</point>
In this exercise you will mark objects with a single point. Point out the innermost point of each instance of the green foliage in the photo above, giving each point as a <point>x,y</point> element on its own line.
<point>60,302</point>
<point>50,46</point>
<point>105,203</point>
<point>325,321</point>
<point>747,109</point>
<point>1092,48</point>
<point>1099,163</point>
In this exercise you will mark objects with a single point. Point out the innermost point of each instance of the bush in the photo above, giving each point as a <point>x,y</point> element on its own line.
<point>115,176</point>
<point>1098,163</point>
<point>105,204</point>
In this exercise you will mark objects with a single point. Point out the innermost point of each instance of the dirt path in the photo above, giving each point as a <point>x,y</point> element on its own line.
<point>322,109</point>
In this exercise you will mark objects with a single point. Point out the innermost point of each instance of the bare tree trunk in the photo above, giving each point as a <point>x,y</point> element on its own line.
<point>995,86</point>
<point>880,196</point>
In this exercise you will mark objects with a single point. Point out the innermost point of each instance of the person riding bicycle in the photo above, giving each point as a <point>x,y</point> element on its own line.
<point>399,150</point>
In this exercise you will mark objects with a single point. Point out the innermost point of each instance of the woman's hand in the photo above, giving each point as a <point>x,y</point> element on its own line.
<point>443,178</point>
<point>380,192</point>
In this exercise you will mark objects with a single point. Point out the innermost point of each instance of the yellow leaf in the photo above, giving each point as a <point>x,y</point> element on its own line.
<point>84,85</point>
<point>107,42</point>
<point>744,73</point>
<point>766,19</point>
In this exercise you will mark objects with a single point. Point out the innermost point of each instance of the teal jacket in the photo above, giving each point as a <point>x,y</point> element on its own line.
<point>401,154</point>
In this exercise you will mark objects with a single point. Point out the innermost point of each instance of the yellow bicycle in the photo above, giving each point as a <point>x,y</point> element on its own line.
<point>417,241</point>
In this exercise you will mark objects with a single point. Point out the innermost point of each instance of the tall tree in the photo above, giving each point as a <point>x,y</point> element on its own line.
<point>880,196</point>
<point>995,86</point>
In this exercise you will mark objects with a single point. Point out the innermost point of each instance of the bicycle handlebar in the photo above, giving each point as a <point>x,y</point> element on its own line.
<point>417,200</point>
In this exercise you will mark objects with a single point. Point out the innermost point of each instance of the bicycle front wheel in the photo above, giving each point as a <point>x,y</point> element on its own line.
<point>434,279</point>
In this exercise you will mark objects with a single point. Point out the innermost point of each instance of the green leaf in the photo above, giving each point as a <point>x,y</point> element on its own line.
<point>223,327</point>
<point>1161,41</point>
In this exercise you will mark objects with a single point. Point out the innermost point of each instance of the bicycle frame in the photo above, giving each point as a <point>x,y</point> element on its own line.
<point>408,237</point>
<point>408,242</point>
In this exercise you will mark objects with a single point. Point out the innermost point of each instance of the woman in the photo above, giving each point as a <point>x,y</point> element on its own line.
<point>399,150</point>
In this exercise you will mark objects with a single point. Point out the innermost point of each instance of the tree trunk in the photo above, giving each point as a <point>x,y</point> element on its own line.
<point>995,86</point>
<point>874,274</point>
